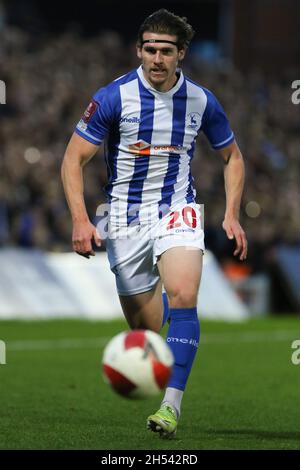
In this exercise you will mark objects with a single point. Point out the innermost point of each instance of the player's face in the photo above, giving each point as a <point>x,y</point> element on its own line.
<point>160,60</point>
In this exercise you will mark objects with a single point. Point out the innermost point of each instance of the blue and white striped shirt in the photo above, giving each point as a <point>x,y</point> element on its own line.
<point>150,139</point>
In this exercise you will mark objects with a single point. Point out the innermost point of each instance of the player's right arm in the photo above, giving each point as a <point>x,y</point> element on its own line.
<point>78,152</point>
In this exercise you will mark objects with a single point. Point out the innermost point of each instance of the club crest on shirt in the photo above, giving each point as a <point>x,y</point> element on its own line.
<point>193,120</point>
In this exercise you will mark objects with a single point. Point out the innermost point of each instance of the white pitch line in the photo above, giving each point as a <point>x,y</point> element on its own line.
<point>64,343</point>
<point>251,336</point>
<point>207,338</point>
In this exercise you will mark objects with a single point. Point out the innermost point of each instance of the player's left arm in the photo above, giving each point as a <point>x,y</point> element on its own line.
<point>234,176</point>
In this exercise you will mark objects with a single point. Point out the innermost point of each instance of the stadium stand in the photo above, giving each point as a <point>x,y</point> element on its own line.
<point>49,83</point>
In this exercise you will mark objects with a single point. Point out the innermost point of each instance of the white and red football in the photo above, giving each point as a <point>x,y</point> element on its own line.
<point>137,364</point>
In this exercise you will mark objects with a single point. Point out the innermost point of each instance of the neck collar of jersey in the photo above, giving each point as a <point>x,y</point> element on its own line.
<point>149,87</point>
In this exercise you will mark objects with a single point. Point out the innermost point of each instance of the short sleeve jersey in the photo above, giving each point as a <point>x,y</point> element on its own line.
<point>150,139</point>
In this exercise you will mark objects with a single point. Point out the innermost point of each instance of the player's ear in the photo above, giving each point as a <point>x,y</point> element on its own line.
<point>139,51</point>
<point>181,53</point>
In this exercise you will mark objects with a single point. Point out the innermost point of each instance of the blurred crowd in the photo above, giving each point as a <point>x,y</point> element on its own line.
<point>49,83</point>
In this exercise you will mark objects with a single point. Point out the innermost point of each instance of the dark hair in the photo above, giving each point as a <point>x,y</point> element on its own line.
<point>165,22</point>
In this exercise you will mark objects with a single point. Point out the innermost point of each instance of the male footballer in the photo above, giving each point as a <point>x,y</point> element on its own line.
<point>149,120</point>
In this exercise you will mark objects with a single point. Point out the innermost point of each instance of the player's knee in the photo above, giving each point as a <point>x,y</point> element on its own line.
<point>182,297</point>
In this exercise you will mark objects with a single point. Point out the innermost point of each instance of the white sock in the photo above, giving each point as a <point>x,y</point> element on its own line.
<point>173,397</point>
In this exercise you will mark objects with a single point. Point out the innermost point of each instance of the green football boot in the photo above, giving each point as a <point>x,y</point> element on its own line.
<point>164,421</point>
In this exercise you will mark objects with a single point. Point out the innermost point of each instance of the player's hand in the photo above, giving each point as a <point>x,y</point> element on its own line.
<point>234,230</point>
<point>84,234</point>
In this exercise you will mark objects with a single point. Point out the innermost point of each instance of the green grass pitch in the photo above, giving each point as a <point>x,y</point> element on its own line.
<point>243,392</point>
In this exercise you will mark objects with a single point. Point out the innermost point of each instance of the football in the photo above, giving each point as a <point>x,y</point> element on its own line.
<point>137,364</point>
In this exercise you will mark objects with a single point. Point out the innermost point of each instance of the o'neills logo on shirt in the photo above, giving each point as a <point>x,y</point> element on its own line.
<point>131,120</point>
<point>143,148</point>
